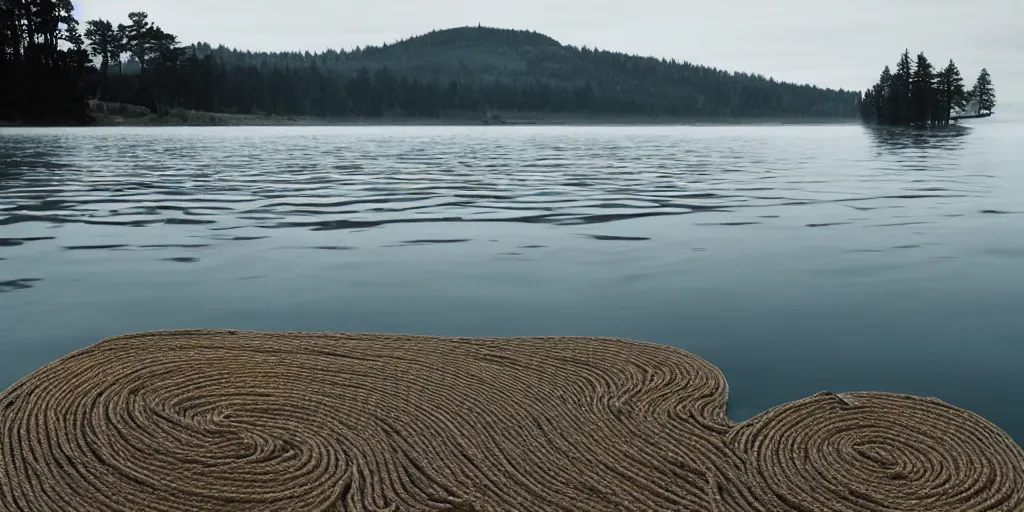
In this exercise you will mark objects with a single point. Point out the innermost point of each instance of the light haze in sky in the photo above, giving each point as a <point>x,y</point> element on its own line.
<point>831,43</point>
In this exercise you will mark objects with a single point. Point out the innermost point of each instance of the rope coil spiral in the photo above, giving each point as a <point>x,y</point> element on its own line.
<point>228,420</point>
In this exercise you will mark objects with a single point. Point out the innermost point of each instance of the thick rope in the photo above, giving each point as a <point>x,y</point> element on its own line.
<point>226,420</point>
<point>879,451</point>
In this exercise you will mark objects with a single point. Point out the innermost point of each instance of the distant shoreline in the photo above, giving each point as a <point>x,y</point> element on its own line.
<point>108,114</point>
<point>227,120</point>
<point>210,119</point>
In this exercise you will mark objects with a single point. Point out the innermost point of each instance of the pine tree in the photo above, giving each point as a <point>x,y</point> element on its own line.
<point>923,91</point>
<point>917,95</point>
<point>865,105</point>
<point>136,36</point>
<point>984,93</point>
<point>883,95</point>
<point>901,105</point>
<point>951,91</point>
<point>103,44</point>
<point>122,47</point>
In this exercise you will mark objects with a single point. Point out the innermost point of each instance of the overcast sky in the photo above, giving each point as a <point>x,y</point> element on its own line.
<point>833,43</point>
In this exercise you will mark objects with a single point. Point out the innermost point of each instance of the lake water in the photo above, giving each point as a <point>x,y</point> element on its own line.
<point>795,258</point>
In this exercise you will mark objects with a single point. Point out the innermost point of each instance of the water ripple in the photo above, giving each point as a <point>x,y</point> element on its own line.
<point>206,182</point>
<point>14,285</point>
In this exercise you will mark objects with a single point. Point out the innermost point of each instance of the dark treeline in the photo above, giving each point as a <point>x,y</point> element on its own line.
<point>43,63</point>
<point>472,69</point>
<point>483,69</point>
<point>476,70</point>
<point>917,94</point>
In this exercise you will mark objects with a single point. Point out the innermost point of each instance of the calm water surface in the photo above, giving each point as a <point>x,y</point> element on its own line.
<point>796,258</point>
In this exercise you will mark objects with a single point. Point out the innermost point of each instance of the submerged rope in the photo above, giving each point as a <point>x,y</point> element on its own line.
<point>226,420</point>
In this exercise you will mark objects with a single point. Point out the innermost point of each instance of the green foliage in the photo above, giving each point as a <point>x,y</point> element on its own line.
<point>917,95</point>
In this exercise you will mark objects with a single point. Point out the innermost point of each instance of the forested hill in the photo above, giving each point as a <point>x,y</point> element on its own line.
<point>480,68</point>
<point>469,72</point>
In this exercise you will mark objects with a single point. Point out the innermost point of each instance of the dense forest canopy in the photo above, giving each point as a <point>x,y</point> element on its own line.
<point>478,70</point>
<point>917,94</point>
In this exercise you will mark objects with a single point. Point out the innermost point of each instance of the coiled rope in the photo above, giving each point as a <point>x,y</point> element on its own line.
<point>227,420</point>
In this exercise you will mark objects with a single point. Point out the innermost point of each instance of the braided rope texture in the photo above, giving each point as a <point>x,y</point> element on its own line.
<point>230,420</point>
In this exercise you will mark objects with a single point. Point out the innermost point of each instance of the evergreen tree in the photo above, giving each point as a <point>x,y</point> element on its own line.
<point>932,95</point>
<point>923,91</point>
<point>166,58</point>
<point>983,92</point>
<point>137,35</point>
<point>104,45</point>
<point>866,106</point>
<point>951,91</point>
<point>901,102</point>
<point>883,94</point>
<point>122,46</point>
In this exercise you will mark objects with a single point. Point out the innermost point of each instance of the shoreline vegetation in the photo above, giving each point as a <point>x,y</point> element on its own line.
<point>107,114</point>
<point>486,75</point>
<point>917,95</point>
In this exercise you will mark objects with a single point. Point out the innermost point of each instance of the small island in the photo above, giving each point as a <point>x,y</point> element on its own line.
<point>917,95</point>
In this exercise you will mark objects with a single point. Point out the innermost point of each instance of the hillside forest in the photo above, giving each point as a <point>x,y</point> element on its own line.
<point>478,70</point>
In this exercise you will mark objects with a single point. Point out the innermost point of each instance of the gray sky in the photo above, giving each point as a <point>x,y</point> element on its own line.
<point>833,43</point>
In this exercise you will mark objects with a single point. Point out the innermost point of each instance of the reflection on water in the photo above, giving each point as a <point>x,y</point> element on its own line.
<point>796,258</point>
<point>950,138</point>
<point>17,284</point>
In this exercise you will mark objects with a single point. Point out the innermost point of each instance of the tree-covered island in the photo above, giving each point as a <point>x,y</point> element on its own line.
<point>917,94</point>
